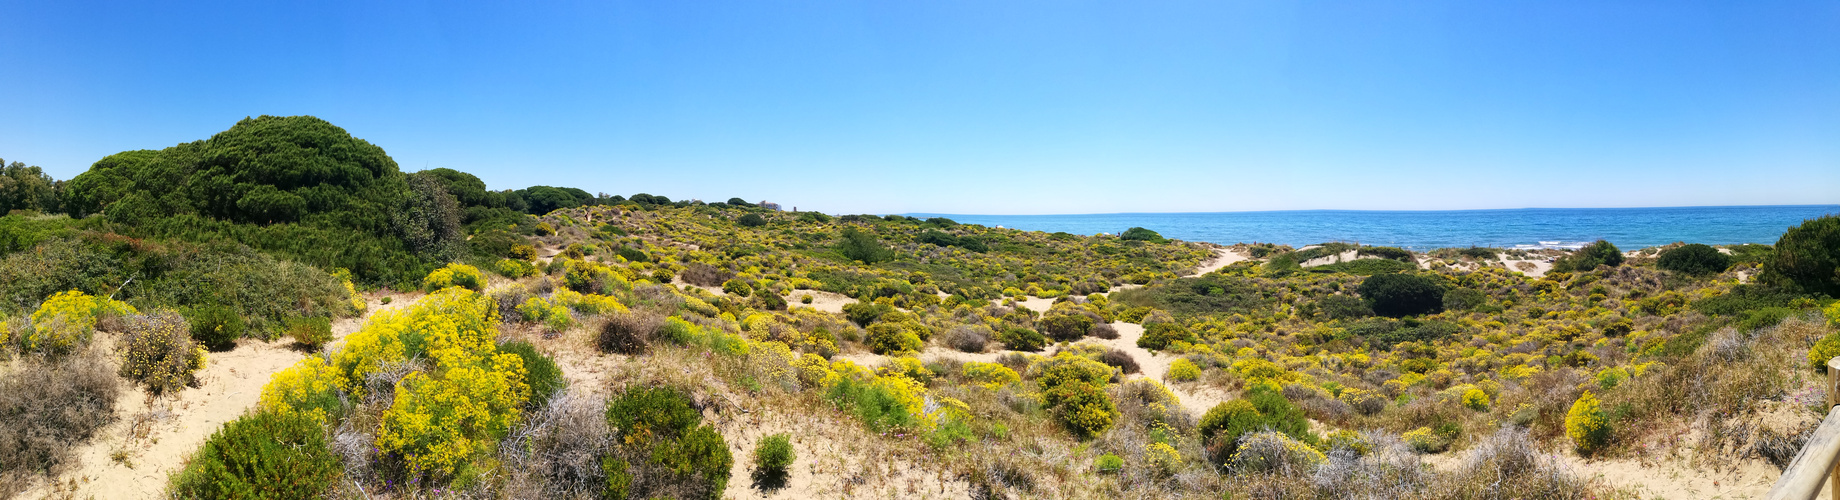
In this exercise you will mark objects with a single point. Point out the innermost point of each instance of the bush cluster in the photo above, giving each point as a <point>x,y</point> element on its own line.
<point>1223,426</point>
<point>662,449</point>
<point>157,351</point>
<point>1695,259</point>
<point>262,455</point>
<point>1017,338</point>
<point>216,327</point>
<point>1399,295</point>
<point>1598,253</point>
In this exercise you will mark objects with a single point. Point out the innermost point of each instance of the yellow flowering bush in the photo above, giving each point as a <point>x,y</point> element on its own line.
<point>1162,458</point>
<point>455,274</point>
<point>515,268</point>
<point>990,375</point>
<point>67,320</point>
<point>907,366</point>
<point>468,398</point>
<point>353,297</point>
<point>553,315</point>
<point>310,388</point>
<point>1183,370</point>
<point>1587,424</point>
<point>1476,399</point>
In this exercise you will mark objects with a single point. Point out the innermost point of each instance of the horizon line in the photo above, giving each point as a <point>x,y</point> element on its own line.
<point>909,214</point>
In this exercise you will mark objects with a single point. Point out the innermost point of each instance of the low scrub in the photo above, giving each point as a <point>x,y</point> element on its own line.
<point>663,450</point>
<point>269,455</point>
<point>157,352</point>
<point>49,407</point>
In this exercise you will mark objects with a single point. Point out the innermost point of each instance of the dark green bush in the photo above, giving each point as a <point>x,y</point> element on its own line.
<point>309,332</point>
<point>1141,234</point>
<point>1022,339</point>
<point>1808,258</point>
<point>540,372</point>
<point>1694,259</point>
<point>1365,267</point>
<point>1066,327</point>
<point>1082,407</point>
<point>1599,253</point>
<point>1343,307</point>
<point>864,313</point>
<point>892,339</point>
<point>1398,295</point>
<point>1262,408</point>
<point>751,220</point>
<point>1157,336</point>
<point>661,450</point>
<point>216,327</point>
<point>863,247</point>
<point>265,455</point>
<point>1464,299</point>
<point>1393,253</point>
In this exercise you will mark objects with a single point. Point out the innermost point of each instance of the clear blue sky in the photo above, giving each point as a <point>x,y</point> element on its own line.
<point>980,106</point>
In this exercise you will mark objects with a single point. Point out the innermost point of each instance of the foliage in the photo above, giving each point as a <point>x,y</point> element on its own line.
<point>262,455</point>
<point>27,188</point>
<point>309,332</point>
<point>990,375</point>
<point>1464,299</point>
<point>1398,295</point>
<point>1808,257</point>
<point>1022,339</point>
<point>1587,424</point>
<point>1183,370</point>
<point>1695,259</point>
<point>1066,327</point>
<point>774,453</point>
<point>661,449</point>
<point>1268,451</point>
<point>891,339</point>
<point>309,388</point>
<point>216,327</point>
<point>66,321</point>
<point>1224,425</point>
<point>1108,464</point>
<point>862,247</point>
<point>1141,234</point>
<point>541,373</point>
<point>1083,407</point>
<point>455,274</point>
<point>157,352</point>
<point>751,220</point>
<point>1598,253</point>
<point>1158,336</point>
<point>50,406</point>
<point>1339,306</point>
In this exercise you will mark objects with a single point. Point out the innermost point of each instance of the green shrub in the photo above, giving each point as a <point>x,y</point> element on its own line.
<point>1022,339</point>
<point>1398,295</point>
<point>1082,407</point>
<point>1599,253</point>
<point>267,455</point>
<point>1066,327</point>
<point>864,313</point>
<point>311,332</point>
<point>1183,370</point>
<point>863,247</point>
<point>892,339</point>
<point>1808,257</point>
<point>1158,336</point>
<point>1108,464</point>
<point>877,406</point>
<point>1464,299</point>
<point>157,352</point>
<point>1763,318</point>
<point>737,287</point>
<point>661,450</point>
<point>774,453</point>
<point>1222,427</point>
<point>1339,306</point>
<point>1695,259</point>
<point>1141,234</point>
<point>216,327</point>
<point>751,220</point>
<point>540,372</point>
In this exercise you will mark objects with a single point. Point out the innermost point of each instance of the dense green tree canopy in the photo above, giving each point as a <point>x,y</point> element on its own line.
<point>1808,257</point>
<point>1398,295</point>
<point>1585,259</point>
<point>26,188</point>
<point>1695,258</point>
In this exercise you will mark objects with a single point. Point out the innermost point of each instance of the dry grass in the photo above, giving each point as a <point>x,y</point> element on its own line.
<point>48,407</point>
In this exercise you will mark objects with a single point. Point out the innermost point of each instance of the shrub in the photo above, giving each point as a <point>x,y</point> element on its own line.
<point>455,274</point>
<point>1587,424</point>
<point>751,220</point>
<point>661,450</point>
<point>1808,257</point>
<point>882,403</point>
<point>1343,307</point>
<point>990,375</point>
<point>737,287</point>
<point>1183,370</point>
<point>1476,399</point>
<point>967,338</point>
<point>1120,360</point>
<point>1364,402</point>
<point>774,453</point>
<point>1268,451</point>
<point>864,313</point>
<point>1081,406</point>
<point>1066,327</point>
<point>157,352</point>
<point>541,373</point>
<point>1141,234</point>
<point>49,407</point>
<point>1158,336</point>
<point>891,339</point>
<point>1022,339</point>
<point>1695,259</point>
<point>216,327</point>
<point>1464,299</point>
<point>1108,464</point>
<point>311,332</point>
<point>66,321</point>
<point>515,268</point>
<point>1425,440</point>
<point>1066,367</point>
<point>1104,331</point>
<point>439,417</point>
<point>1599,253</point>
<point>310,387</point>
<point>629,333</point>
<point>1222,427</point>
<point>1399,295</point>
<point>261,455</point>
<point>863,247</point>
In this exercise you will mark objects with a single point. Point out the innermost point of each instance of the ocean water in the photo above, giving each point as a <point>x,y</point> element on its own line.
<point>1628,228</point>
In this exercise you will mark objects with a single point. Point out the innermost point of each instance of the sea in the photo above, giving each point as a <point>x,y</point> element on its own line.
<point>1528,228</point>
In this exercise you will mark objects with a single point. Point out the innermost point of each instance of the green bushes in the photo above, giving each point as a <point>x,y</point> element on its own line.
<point>1066,327</point>
<point>1808,257</point>
<point>309,332</point>
<point>737,287</point>
<point>862,247</point>
<point>216,327</point>
<point>266,455</point>
<point>1017,338</point>
<point>1108,464</point>
<point>864,313</point>
<point>1158,336</point>
<point>1464,299</point>
<point>157,352</point>
<point>878,406</point>
<point>751,220</point>
<point>1695,259</point>
<point>1339,306</point>
<point>1399,295</point>
<point>892,339</point>
<point>1073,388</point>
<point>541,373</point>
<point>662,449</point>
<point>1262,408</point>
<point>1599,253</point>
<point>1141,234</point>
<point>774,454</point>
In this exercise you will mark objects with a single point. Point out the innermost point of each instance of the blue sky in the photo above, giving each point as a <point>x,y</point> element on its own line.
<point>980,106</point>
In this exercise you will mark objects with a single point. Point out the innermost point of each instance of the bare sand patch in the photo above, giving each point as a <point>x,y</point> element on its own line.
<point>820,300</point>
<point>1331,259</point>
<point>1223,257</point>
<point>1533,268</point>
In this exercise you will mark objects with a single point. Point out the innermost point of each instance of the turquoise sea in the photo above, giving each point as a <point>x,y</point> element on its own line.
<point>1628,228</point>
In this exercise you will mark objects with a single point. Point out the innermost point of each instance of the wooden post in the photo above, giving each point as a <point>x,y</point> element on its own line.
<point>1833,399</point>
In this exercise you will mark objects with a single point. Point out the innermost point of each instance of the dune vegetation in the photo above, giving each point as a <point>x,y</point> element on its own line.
<point>549,343</point>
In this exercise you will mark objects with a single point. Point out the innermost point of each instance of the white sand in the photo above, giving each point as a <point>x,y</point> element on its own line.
<point>1532,267</point>
<point>822,301</point>
<point>1223,257</point>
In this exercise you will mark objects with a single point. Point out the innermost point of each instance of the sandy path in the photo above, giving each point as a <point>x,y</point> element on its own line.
<point>1223,257</point>
<point>1331,259</point>
<point>156,436</point>
<point>822,301</point>
<point>1535,267</point>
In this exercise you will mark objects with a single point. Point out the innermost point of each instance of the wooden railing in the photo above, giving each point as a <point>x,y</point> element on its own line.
<point>1816,463</point>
